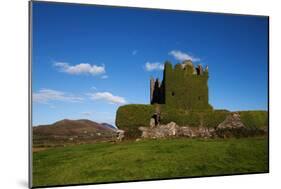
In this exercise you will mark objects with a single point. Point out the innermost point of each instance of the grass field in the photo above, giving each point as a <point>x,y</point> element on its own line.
<point>149,159</point>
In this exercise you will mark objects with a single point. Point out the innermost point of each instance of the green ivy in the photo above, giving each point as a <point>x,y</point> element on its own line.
<point>131,117</point>
<point>186,90</point>
<point>254,119</point>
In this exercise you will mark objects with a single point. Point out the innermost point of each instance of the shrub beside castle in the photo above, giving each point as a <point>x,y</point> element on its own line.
<point>181,97</point>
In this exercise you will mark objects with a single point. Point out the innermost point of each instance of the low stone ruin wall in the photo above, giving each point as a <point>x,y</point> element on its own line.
<point>232,126</point>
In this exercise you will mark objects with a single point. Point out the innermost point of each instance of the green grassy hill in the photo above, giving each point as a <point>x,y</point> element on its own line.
<point>149,159</point>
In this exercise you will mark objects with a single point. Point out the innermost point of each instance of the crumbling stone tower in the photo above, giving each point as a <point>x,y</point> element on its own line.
<point>184,87</point>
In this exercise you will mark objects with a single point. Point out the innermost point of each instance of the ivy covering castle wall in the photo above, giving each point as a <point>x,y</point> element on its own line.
<point>183,86</point>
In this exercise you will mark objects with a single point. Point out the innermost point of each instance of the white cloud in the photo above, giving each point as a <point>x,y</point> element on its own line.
<point>181,56</point>
<point>151,66</point>
<point>87,114</point>
<point>104,77</point>
<point>108,97</point>
<point>134,52</point>
<point>46,95</point>
<point>83,68</point>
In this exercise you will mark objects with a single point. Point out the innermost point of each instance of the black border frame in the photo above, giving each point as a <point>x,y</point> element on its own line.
<point>30,15</point>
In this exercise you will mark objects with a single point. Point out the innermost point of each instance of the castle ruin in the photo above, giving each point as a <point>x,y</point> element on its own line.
<point>183,86</point>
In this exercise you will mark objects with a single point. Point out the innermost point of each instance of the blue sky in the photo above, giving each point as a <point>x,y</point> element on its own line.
<point>89,60</point>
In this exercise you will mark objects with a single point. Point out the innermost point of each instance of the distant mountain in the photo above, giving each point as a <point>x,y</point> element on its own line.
<point>71,127</point>
<point>108,125</point>
<point>69,131</point>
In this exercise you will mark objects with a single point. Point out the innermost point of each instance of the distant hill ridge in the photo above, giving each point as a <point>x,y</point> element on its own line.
<point>110,126</point>
<point>67,127</point>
